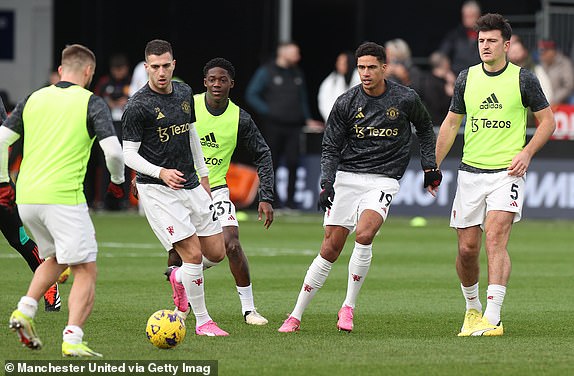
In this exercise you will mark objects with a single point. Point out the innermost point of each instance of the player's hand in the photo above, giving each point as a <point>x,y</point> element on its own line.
<point>326,196</point>
<point>266,209</point>
<point>519,164</point>
<point>172,178</point>
<point>115,191</point>
<point>7,195</point>
<point>204,182</point>
<point>432,180</point>
<point>134,188</point>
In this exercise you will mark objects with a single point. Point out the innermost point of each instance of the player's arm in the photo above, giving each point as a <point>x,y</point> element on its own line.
<point>132,126</point>
<point>250,136</point>
<point>451,123</point>
<point>100,123</point>
<point>533,97</point>
<point>10,131</point>
<point>198,158</point>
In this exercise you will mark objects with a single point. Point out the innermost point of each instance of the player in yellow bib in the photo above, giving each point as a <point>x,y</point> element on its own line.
<point>221,125</point>
<point>493,97</point>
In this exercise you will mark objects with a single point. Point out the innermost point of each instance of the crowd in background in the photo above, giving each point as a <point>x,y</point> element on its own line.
<point>279,98</point>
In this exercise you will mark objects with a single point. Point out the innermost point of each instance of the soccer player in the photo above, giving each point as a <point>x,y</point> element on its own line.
<point>14,232</point>
<point>493,96</point>
<point>58,124</point>
<point>162,145</point>
<point>223,125</point>
<point>365,152</point>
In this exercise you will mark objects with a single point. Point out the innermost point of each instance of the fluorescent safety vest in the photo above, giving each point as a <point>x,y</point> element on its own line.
<point>218,137</point>
<point>495,129</point>
<point>56,147</point>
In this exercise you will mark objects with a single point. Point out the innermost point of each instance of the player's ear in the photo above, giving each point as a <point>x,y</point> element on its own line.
<point>205,82</point>
<point>232,84</point>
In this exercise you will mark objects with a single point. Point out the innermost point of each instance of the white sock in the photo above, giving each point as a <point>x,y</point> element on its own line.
<point>471,297</point>
<point>314,279</point>
<point>192,279</point>
<point>246,298</point>
<point>73,334</point>
<point>358,269</point>
<point>494,298</point>
<point>28,306</point>
<point>207,263</point>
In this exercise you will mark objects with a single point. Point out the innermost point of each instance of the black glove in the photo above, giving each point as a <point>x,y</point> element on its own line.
<point>326,196</point>
<point>7,195</point>
<point>115,191</point>
<point>433,178</point>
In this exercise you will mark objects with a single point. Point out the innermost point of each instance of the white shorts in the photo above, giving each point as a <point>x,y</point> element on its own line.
<point>63,231</point>
<point>176,215</point>
<point>224,208</point>
<point>477,194</point>
<point>356,192</point>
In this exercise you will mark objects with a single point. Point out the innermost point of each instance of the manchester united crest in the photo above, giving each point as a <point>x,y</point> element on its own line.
<point>186,107</point>
<point>392,113</point>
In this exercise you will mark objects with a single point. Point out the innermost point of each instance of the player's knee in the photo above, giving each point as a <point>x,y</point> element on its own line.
<point>233,249</point>
<point>365,237</point>
<point>468,251</point>
<point>173,258</point>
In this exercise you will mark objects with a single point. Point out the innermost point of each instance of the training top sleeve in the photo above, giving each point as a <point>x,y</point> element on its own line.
<point>100,122</point>
<point>531,91</point>
<point>457,104</point>
<point>3,114</point>
<point>250,137</point>
<point>422,122</point>
<point>333,142</point>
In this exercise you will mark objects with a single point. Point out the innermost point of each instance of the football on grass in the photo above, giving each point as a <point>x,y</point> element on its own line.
<point>165,329</point>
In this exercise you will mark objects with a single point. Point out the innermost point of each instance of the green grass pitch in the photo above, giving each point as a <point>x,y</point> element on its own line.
<point>406,320</point>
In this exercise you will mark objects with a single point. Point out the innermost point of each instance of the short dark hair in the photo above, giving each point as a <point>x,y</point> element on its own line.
<point>220,62</point>
<point>372,49</point>
<point>157,47</point>
<point>494,21</point>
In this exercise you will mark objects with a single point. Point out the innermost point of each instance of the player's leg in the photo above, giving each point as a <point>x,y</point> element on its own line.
<point>498,225</point>
<point>468,270</point>
<point>317,274</point>
<point>14,232</point>
<point>467,216</point>
<point>75,241</point>
<point>369,223</point>
<point>239,267</point>
<point>192,278</point>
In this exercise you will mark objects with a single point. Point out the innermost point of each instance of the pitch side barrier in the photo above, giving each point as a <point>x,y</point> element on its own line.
<point>549,184</point>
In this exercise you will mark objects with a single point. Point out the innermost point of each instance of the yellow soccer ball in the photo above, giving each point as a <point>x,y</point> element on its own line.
<point>165,329</point>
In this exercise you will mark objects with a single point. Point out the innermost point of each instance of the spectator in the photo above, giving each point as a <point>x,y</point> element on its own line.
<point>460,44</point>
<point>337,82</point>
<point>278,94</point>
<point>559,69</point>
<point>139,78</point>
<point>519,55</point>
<point>400,67</point>
<point>437,87</point>
<point>114,88</point>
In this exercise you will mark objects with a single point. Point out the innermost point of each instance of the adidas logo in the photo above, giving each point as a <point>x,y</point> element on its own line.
<point>360,115</point>
<point>160,116</point>
<point>490,102</point>
<point>209,141</point>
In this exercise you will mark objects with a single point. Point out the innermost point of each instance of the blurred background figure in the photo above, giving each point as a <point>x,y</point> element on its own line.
<point>559,69</point>
<point>519,55</point>
<point>437,87</point>
<point>337,82</point>
<point>400,67</point>
<point>139,78</point>
<point>461,43</point>
<point>114,88</point>
<point>277,92</point>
